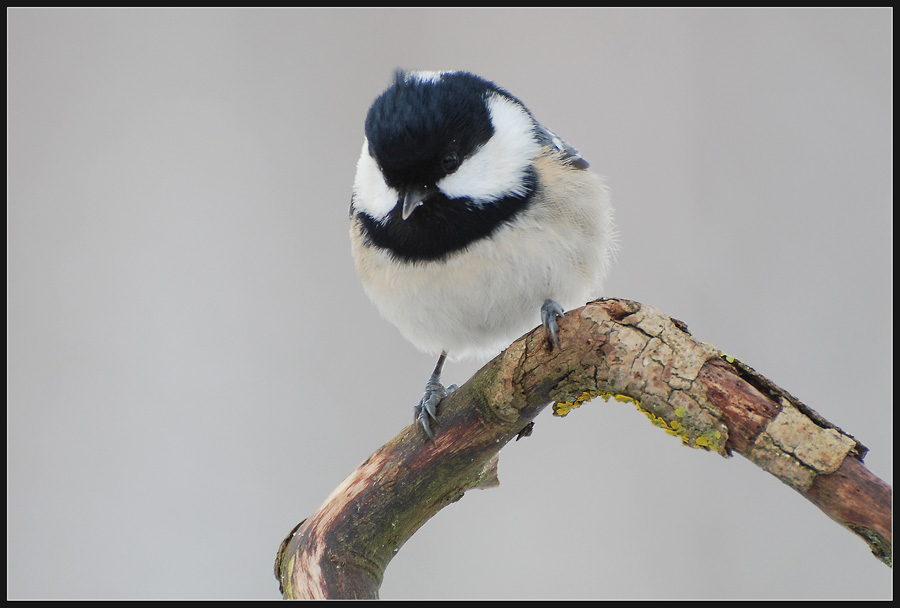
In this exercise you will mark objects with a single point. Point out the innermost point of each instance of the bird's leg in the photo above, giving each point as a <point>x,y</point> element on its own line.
<point>549,312</point>
<point>426,410</point>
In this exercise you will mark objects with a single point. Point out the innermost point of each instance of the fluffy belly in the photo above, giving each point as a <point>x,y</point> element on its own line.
<point>477,302</point>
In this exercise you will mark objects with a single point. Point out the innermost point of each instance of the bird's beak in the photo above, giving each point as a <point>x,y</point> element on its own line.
<point>414,197</point>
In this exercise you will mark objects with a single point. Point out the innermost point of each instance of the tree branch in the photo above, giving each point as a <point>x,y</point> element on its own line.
<point>611,348</point>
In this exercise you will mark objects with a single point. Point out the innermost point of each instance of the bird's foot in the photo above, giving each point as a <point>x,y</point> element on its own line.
<point>426,410</point>
<point>549,313</point>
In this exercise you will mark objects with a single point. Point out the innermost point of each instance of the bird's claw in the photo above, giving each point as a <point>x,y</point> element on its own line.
<point>426,410</point>
<point>549,312</point>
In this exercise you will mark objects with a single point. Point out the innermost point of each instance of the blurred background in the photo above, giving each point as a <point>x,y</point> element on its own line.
<point>192,365</point>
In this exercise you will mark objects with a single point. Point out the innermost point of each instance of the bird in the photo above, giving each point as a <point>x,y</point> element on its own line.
<point>470,222</point>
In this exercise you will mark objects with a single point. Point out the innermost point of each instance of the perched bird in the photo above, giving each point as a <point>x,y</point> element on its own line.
<point>470,221</point>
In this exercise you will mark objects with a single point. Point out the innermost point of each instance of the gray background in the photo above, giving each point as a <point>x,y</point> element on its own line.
<point>193,367</point>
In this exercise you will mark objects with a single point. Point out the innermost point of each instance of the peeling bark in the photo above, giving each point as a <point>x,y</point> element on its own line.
<point>610,348</point>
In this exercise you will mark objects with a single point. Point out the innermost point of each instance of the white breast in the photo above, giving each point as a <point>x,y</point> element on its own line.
<point>478,300</point>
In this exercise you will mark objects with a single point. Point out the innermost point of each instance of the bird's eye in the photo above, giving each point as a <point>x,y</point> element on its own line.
<point>450,162</point>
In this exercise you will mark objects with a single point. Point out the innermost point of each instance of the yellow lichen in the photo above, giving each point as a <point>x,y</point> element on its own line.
<point>682,425</point>
<point>709,440</point>
<point>564,407</point>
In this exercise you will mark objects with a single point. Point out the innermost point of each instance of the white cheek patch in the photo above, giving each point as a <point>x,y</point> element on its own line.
<point>498,168</point>
<point>370,192</point>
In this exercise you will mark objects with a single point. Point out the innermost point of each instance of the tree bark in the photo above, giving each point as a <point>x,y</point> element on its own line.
<point>610,348</point>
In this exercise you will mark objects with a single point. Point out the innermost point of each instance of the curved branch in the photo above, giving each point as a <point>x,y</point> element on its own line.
<point>611,348</point>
